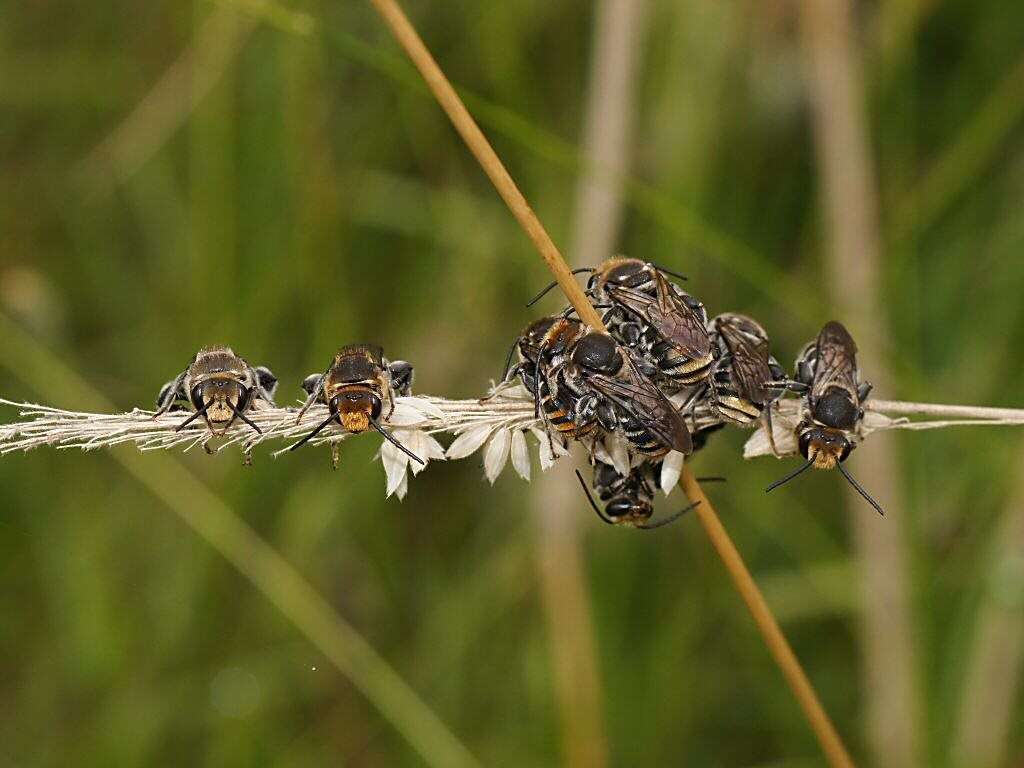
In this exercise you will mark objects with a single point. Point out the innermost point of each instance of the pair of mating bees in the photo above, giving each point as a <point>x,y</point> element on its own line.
<point>670,345</point>
<point>220,387</point>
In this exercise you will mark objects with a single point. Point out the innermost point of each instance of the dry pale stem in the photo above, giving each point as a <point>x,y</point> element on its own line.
<point>777,644</point>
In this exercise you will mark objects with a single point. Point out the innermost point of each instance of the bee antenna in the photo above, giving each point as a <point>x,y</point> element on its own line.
<point>313,434</point>
<point>508,360</point>
<point>244,418</point>
<point>860,490</point>
<point>193,417</point>
<point>788,477</point>
<point>669,272</point>
<point>390,438</point>
<point>543,293</point>
<point>669,519</point>
<point>590,498</point>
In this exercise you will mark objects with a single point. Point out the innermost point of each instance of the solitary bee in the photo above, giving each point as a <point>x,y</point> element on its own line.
<point>354,388</point>
<point>220,387</point>
<point>832,407</point>
<point>606,383</point>
<point>745,380</point>
<point>629,499</point>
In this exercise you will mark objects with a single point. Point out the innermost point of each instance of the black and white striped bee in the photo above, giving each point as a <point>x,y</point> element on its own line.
<point>605,383</point>
<point>543,347</point>
<point>628,500</point>
<point>647,313</point>
<point>746,380</point>
<point>832,407</point>
<point>219,387</point>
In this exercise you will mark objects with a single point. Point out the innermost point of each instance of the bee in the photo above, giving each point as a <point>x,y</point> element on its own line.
<point>219,387</point>
<point>629,499</point>
<point>606,384</point>
<point>528,346</point>
<point>832,407</point>
<point>648,313</point>
<point>354,388</point>
<point>745,379</point>
<point>544,347</point>
<point>617,272</point>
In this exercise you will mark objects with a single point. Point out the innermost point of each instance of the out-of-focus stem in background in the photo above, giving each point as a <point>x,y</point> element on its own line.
<point>555,496</point>
<point>853,258</point>
<point>996,656</point>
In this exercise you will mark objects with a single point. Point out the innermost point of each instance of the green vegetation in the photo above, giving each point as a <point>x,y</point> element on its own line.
<point>316,195</point>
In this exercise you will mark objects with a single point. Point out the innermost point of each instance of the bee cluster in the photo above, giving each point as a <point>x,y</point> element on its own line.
<point>654,387</point>
<point>665,377</point>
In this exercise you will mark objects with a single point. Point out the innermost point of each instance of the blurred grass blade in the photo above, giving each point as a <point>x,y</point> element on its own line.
<point>269,572</point>
<point>964,161</point>
<point>742,261</point>
<point>850,202</point>
<point>995,663</point>
<point>167,105</point>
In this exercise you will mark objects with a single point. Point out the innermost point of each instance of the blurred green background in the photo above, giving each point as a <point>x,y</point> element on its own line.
<point>276,178</point>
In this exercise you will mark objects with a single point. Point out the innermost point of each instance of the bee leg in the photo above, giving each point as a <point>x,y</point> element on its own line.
<point>864,390</point>
<point>305,407</point>
<point>335,453</point>
<point>770,431</point>
<point>171,392</point>
<point>606,416</point>
<point>804,374</point>
<point>313,385</point>
<point>247,457</point>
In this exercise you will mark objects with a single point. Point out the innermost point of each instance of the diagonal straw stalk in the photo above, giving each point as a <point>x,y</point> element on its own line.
<point>449,100</point>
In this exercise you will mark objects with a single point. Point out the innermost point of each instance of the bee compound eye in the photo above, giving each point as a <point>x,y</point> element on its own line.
<point>805,442</point>
<point>620,507</point>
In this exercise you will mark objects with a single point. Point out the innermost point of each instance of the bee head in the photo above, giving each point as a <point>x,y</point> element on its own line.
<point>534,335</point>
<point>597,352</point>
<point>825,447</point>
<point>622,273</point>
<point>355,408</point>
<point>221,397</point>
<point>623,510</point>
<point>560,335</point>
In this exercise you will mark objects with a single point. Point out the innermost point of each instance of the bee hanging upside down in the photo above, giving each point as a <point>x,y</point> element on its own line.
<point>629,500</point>
<point>354,389</point>
<point>220,387</point>
<point>832,407</point>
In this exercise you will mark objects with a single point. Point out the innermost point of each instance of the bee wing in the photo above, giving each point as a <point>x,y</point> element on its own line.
<point>836,361</point>
<point>749,363</point>
<point>669,316</point>
<point>644,401</point>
